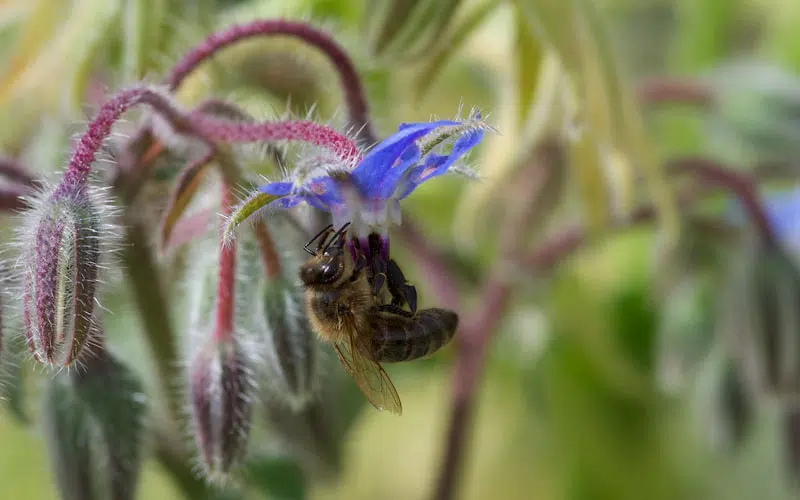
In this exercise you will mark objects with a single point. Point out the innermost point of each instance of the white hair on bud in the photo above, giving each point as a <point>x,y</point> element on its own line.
<point>106,235</point>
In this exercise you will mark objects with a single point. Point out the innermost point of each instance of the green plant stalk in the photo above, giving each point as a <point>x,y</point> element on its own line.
<point>144,279</point>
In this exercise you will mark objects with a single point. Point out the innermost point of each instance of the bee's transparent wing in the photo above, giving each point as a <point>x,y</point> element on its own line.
<point>370,377</point>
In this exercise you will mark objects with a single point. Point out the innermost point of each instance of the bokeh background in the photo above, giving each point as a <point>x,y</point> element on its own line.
<point>611,374</point>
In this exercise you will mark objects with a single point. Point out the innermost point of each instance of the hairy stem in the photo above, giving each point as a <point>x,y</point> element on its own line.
<point>145,280</point>
<point>226,277</point>
<point>352,88</point>
<point>196,124</point>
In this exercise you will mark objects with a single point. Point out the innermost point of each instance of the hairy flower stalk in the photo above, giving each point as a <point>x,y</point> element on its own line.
<point>220,377</point>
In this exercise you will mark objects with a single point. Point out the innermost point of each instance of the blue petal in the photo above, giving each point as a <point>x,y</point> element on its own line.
<point>368,175</point>
<point>781,210</point>
<point>276,188</point>
<point>321,193</point>
<point>415,177</point>
<point>285,202</point>
<point>440,123</point>
<point>388,184</point>
<point>436,165</point>
<point>460,147</point>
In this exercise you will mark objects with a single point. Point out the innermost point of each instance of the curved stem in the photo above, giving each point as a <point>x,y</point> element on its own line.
<point>85,153</point>
<point>354,95</point>
<point>742,187</point>
<point>196,124</point>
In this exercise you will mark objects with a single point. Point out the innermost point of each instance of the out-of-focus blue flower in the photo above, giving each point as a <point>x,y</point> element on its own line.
<point>783,214</point>
<point>367,194</point>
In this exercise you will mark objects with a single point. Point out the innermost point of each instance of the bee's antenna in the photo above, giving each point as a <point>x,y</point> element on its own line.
<point>337,237</point>
<point>325,230</point>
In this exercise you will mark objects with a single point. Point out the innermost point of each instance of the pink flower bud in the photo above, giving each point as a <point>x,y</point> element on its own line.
<point>221,399</point>
<point>60,278</point>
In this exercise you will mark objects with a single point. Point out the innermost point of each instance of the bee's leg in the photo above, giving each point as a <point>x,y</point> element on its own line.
<point>394,309</point>
<point>411,297</point>
<point>361,261</point>
<point>402,292</point>
<point>378,275</point>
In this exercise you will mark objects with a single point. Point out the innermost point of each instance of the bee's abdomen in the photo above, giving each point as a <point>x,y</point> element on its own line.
<point>398,338</point>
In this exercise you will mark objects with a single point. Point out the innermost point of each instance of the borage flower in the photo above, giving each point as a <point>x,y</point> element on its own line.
<point>366,193</point>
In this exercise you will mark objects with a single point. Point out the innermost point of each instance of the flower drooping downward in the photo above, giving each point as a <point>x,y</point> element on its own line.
<point>366,191</point>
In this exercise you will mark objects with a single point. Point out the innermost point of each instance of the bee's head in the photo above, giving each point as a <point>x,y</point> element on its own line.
<point>328,263</point>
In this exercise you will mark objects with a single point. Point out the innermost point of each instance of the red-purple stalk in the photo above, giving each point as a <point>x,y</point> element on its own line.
<point>196,124</point>
<point>226,277</point>
<point>354,95</point>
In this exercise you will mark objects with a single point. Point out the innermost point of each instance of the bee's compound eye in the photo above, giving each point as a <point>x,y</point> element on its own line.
<point>320,274</point>
<point>329,272</point>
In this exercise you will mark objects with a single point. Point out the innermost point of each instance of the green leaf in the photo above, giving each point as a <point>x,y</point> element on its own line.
<point>529,55</point>
<point>448,44</point>
<point>384,19</point>
<point>421,30</point>
<point>143,23</point>
<point>703,33</point>
<point>613,117</point>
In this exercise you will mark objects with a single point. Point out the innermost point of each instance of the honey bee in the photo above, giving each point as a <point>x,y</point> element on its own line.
<point>344,309</point>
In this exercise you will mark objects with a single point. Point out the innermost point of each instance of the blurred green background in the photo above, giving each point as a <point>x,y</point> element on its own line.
<point>607,375</point>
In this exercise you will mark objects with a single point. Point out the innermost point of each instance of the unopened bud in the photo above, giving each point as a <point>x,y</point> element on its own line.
<point>220,368</point>
<point>290,345</point>
<point>94,423</point>
<point>221,395</point>
<point>60,277</point>
<point>762,320</point>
